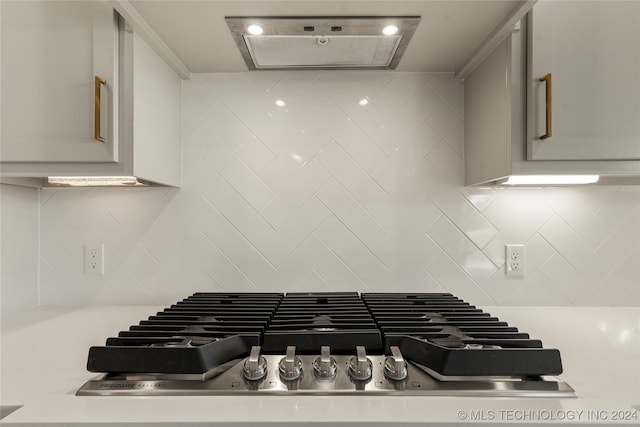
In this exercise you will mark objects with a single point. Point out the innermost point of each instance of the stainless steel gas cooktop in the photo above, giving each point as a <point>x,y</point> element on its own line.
<point>324,343</point>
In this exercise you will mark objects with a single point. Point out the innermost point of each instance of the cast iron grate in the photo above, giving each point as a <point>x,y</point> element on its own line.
<point>453,338</point>
<point>192,336</point>
<point>311,320</point>
<point>436,330</point>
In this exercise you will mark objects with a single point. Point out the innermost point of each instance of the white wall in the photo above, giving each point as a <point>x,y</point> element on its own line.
<point>327,194</point>
<point>18,248</point>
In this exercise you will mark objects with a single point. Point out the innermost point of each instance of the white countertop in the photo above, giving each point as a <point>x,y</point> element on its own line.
<point>44,351</point>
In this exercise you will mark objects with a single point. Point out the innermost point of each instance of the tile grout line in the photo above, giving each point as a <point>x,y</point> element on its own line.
<point>206,236</point>
<point>233,226</point>
<point>356,238</point>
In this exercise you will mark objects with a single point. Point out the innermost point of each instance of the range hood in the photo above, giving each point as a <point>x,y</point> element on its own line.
<point>338,42</point>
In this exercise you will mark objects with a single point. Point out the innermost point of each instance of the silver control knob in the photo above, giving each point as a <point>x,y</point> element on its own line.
<point>395,367</point>
<point>325,366</point>
<point>290,365</point>
<point>255,367</point>
<point>360,365</point>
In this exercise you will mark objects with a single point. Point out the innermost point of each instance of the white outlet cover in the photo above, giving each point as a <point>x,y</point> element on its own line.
<point>94,259</point>
<point>514,260</point>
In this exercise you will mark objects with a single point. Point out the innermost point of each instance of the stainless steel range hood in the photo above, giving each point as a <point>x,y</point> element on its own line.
<point>339,42</point>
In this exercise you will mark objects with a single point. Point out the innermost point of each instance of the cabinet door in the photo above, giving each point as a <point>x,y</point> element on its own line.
<point>52,52</point>
<point>592,50</point>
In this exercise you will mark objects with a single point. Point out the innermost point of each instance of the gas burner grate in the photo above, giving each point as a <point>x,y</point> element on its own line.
<point>438,331</point>
<point>453,338</point>
<point>312,320</point>
<point>193,336</point>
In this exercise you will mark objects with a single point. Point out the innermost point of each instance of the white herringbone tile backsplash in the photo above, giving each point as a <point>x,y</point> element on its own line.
<point>354,183</point>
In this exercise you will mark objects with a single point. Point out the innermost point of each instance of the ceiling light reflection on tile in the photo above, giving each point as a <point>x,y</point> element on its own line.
<point>364,101</point>
<point>603,327</point>
<point>624,336</point>
<point>280,103</point>
<point>296,157</point>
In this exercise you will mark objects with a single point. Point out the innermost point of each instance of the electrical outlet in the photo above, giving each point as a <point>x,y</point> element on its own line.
<point>514,260</point>
<point>94,259</point>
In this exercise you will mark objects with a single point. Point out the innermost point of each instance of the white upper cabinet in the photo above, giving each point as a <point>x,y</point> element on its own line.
<point>591,49</point>
<point>497,124</point>
<point>52,53</point>
<point>494,113</point>
<point>62,63</point>
<point>151,114</point>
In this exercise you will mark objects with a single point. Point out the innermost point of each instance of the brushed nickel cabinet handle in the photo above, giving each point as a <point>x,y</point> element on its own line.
<point>96,117</point>
<point>547,80</point>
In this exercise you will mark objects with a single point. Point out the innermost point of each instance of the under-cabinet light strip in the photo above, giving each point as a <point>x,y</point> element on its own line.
<point>94,181</point>
<point>551,179</point>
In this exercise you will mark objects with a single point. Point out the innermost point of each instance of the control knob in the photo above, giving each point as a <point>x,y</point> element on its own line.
<point>255,367</point>
<point>360,365</point>
<point>290,365</point>
<point>325,366</point>
<point>395,367</point>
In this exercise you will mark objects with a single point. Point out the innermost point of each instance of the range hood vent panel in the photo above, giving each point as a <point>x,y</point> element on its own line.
<point>329,51</point>
<point>322,42</point>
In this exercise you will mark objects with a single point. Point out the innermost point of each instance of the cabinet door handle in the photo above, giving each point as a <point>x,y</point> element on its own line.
<point>547,80</point>
<point>96,116</point>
